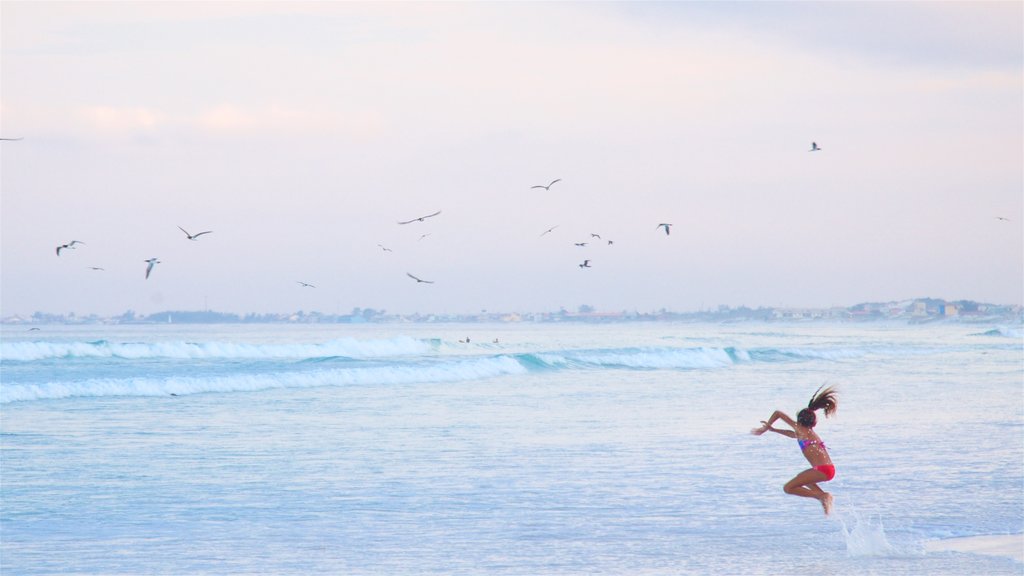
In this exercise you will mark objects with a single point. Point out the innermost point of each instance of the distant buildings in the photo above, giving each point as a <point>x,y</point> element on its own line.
<point>915,311</point>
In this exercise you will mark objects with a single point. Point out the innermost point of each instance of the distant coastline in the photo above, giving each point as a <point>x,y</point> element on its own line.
<point>915,311</point>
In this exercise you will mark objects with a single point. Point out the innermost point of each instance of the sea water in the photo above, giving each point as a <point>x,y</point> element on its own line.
<point>503,448</point>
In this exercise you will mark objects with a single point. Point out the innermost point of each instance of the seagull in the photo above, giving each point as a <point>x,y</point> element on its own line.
<point>581,244</point>
<point>586,264</point>
<point>592,235</point>
<point>424,236</point>
<point>385,248</point>
<point>1002,218</point>
<point>12,139</point>
<point>814,147</point>
<point>665,226</point>
<point>548,187</point>
<point>152,262</point>
<point>96,268</point>
<point>549,230</point>
<point>419,280</point>
<point>421,218</point>
<point>305,285</point>
<point>610,242</point>
<point>70,245</point>
<point>31,329</point>
<point>193,236</point>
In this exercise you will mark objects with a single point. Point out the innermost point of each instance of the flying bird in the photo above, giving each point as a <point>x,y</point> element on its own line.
<point>814,147</point>
<point>548,187</point>
<point>586,264</point>
<point>305,285</point>
<point>12,139</point>
<point>149,268</point>
<point>96,268</point>
<point>549,230</point>
<point>385,248</point>
<point>592,235</point>
<point>418,280</point>
<point>581,244</point>
<point>70,245</point>
<point>424,236</point>
<point>1002,218</point>
<point>421,218</point>
<point>665,226</point>
<point>193,236</point>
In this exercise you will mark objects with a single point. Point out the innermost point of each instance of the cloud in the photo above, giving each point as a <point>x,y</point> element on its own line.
<point>114,121</point>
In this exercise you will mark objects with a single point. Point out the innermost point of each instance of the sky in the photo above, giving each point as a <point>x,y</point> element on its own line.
<point>300,134</point>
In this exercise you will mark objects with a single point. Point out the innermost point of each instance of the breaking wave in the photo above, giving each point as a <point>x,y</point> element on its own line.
<point>1004,331</point>
<point>131,369</point>
<point>346,348</point>
<point>457,371</point>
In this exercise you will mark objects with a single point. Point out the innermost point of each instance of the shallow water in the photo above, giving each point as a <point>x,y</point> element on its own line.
<point>620,449</point>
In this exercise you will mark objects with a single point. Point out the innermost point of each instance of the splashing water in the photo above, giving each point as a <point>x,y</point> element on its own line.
<point>865,538</point>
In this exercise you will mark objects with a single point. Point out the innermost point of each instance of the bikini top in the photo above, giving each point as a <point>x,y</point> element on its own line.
<point>805,443</point>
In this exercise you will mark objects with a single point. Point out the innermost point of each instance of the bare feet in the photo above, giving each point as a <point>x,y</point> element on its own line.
<point>826,503</point>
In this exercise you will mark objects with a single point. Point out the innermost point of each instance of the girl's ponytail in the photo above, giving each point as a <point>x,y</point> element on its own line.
<point>826,399</point>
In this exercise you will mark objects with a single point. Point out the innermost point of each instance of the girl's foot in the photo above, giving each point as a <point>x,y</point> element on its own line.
<point>826,503</point>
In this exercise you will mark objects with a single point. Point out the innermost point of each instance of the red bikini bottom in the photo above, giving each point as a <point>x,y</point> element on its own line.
<point>829,470</point>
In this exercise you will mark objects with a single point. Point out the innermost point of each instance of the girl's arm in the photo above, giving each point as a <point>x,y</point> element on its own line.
<point>777,415</point>
<point>766,426</point>
<point>789,433</point>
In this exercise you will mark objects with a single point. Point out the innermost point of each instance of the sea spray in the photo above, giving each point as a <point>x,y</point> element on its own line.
<point>866,538</point>
<point>343,347</point>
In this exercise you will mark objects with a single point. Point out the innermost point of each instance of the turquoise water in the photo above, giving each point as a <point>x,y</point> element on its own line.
<point>557,449</point>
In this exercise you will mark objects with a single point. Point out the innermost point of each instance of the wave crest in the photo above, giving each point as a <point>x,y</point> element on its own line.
<point>451,371</point>
<point>346,347</point>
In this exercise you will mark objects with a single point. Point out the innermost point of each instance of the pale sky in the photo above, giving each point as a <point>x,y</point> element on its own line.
<point>301,133</point>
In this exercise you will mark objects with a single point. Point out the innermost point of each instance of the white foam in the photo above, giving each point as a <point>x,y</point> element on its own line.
<point>1010,546</point>
<point>401,374</point>
<point>346,347</point>
<point>658,358</point>
<point>866,538</point>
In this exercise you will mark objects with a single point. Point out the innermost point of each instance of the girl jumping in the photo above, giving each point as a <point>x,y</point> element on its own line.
<point>822,470</point>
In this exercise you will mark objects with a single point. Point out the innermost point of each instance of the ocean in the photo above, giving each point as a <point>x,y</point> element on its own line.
<point>522,449</point>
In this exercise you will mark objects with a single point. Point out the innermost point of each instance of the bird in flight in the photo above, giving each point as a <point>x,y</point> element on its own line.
<point>592,235</point>
<point>305,285</point>
<point>193,236</point>
<point>548,187</point>
<point>70,245</point>
<point>581,244</point>
<point>385,248</point>
<point>424,236</point>
<point>586,264</point>
<point>665,226</point>
<point>421,218</point>
<point>1002,218</point>
<point>150,263</point>
<point>549,230</point>
<point>814,147</point>
<point>418,280</point>
<point>11,139</point>
<point>96,268</point>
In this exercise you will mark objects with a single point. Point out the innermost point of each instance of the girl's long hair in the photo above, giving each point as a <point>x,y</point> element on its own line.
<point>825,398</point>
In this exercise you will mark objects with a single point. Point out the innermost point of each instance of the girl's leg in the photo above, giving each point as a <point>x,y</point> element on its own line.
<point>805,484</point>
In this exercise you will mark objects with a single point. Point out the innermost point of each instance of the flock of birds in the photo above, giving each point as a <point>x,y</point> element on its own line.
<point>151,263</point>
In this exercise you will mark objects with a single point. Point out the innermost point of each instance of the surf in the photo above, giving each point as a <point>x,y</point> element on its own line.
<point>345,347</point>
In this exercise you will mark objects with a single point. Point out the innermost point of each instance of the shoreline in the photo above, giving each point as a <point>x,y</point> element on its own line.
<point>1008,546</point>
